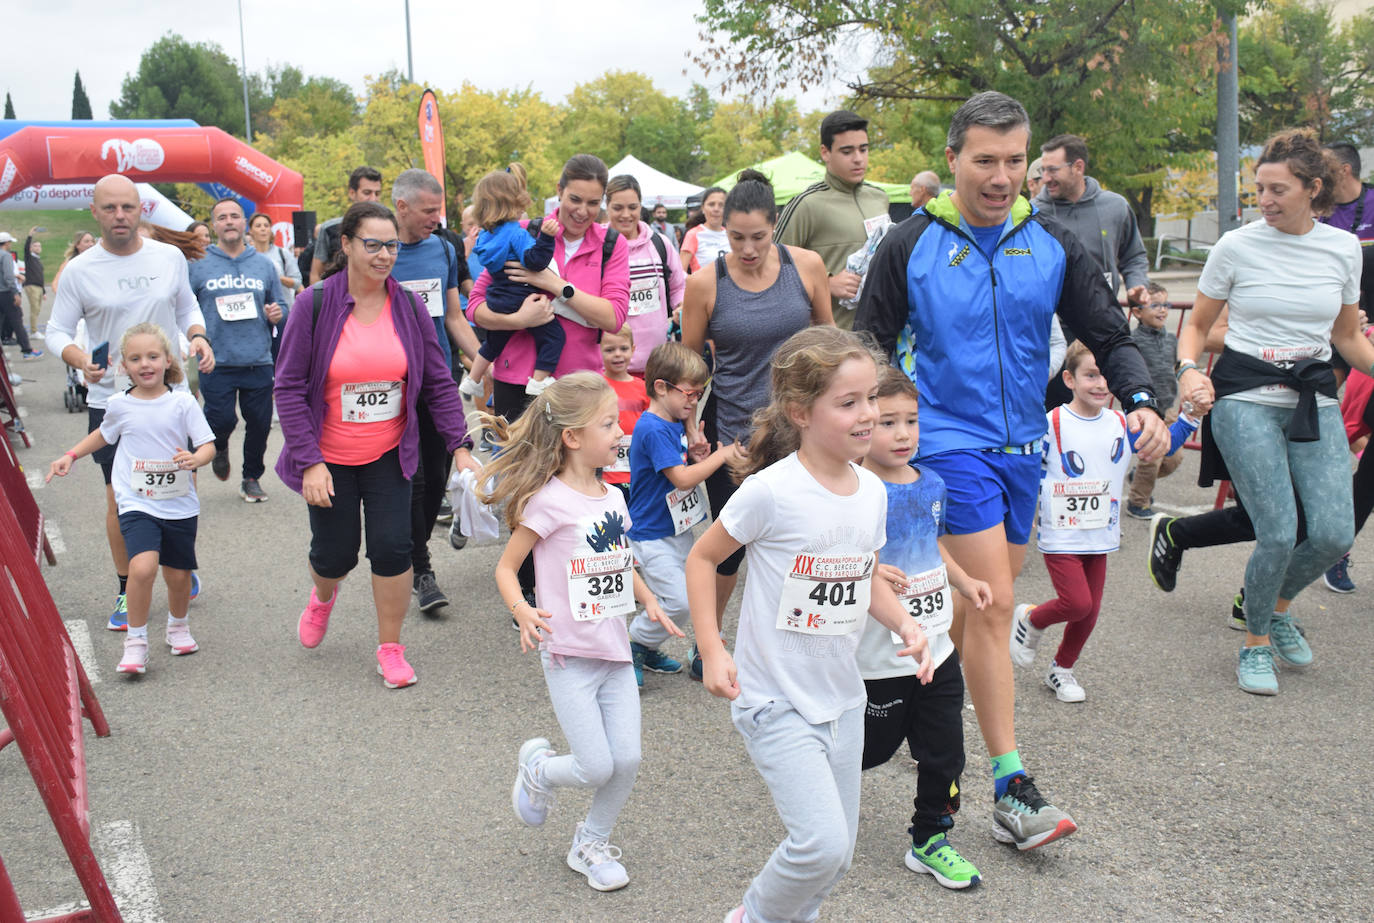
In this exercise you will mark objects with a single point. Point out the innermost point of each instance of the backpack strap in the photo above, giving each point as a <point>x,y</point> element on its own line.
<point>1054,421</point>
<point>607,248</point>
<point>316,302</point>
<point>662,249</point>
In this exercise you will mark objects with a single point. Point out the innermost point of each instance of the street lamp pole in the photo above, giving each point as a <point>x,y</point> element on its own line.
<point>410,62</point>
<point>243,58</point>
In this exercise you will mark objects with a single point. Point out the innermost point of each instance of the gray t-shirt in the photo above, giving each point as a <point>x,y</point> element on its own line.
<point>321,249</point>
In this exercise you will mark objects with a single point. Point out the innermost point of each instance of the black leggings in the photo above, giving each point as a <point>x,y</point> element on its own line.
<point>383,493</point>
<point>509,401</point>
<point>720,487</point>
<point>1226,526</point>
<point>427,488</point>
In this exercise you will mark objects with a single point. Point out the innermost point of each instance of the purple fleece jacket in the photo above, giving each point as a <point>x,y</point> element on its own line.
<point>307,348</point>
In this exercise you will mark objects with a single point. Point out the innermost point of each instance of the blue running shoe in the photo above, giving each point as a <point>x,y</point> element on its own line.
<point>1337,578</point>
<point>654,661</point>
<point>1288,642</point>
<point>1255,671</point>
<point>694,659</point>
<point>195,584</point>
<point>119,618</point>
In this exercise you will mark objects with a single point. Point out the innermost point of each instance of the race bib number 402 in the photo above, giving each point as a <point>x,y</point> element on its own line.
<point>1081,503</point>
<point>601,586</point>
<point>826,594</point>
<point>159,479</point>
<point>370,401</point>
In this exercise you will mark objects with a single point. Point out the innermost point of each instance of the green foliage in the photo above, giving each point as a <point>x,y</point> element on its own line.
<point>177,79</point>
<point>81,103</point>
<point>9,106</point>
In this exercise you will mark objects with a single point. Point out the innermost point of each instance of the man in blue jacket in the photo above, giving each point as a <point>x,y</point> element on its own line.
<point>241,297</point>
<point>961,295</point>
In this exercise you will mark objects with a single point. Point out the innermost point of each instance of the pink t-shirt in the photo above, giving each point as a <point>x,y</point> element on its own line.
<point>364,406</point>
<point>573,528</point>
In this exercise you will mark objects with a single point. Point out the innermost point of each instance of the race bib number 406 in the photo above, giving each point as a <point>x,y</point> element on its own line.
<point>370,401</point>
<point>158,479</point>
<point>826,594</point>
<point>644,296</point>
<point>1081,503</point>
<point>601,586</point>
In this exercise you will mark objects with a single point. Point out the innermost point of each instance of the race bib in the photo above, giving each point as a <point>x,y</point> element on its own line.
<point>644,297</point>
<point>687,507</point>
<point>1081,504</point>
<point>122,381</point>
<point>370,401</point>
<point>928,600</point>
<point>622,455</point>
<point>877,221</point>
<point>431,292</point>
<point>826,594</point>
<point>239,306</point>
<point>601,586</point>
<point>158,480</point>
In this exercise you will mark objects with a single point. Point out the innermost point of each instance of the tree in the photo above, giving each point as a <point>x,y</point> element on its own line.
<point>623,113</point>
<point>1298,68</point>
<point>9,106</point>
<point>741,133</point>
<point>178,79</point>
<point>1134,78</point>
<point>81,104</point>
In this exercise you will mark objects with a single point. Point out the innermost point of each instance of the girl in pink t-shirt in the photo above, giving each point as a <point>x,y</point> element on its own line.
<point>558,507</point>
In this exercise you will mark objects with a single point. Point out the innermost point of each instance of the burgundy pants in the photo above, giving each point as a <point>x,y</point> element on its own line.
<point>1078,579</point>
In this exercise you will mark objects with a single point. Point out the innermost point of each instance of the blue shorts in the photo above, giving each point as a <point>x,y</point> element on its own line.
<point>174,540</point>
<point>986,489</point>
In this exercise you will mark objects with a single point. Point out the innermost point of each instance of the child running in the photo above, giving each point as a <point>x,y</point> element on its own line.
<point>667,498</point>
<point>928,717</point>
<point>1087,450</point>
<point>557,506</point>
<point>811,521</point>
<point>150,426</point>
<point>498,202</point>
<point>616,351</point>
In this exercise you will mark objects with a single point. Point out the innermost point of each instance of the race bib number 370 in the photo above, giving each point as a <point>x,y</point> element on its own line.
<point>601,586</point>
<point>370,401</point>
<point>826,594</point>
<point>1081,503</point>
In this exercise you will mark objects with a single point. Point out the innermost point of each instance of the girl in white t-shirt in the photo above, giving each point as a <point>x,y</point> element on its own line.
<point>812,522</point>
<point>547,474</point>
<point>151,424</point>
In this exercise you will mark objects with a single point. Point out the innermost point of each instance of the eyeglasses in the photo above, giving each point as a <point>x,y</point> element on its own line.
<point>690,395</point>
<point>1158,305</point>
<point>372,244</point>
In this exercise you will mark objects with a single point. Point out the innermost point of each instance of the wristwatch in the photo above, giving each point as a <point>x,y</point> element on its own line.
<point>567,291</point>
<point>1141,400</point>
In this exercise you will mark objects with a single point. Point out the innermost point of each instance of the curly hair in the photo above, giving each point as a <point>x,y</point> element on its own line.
<point>1299,150</point>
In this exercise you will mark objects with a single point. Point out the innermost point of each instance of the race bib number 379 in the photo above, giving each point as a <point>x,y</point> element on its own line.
<point>158,480</point>
<point>826,594</point>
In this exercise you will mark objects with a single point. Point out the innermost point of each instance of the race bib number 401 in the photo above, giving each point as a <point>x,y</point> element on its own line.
<point>370,401</point>
<point>1081,503</point>
<point>159,479</point>
<point>601,586</point>
<point>826,594</point>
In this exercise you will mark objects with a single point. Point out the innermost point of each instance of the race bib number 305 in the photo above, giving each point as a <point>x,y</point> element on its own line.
<point>431,292</point>
<point>601,586</point>
<point>826,594</point>
<point>370,401</point>
<point>240,306</point>
<point>159,480</point>
<point>1081,503</point>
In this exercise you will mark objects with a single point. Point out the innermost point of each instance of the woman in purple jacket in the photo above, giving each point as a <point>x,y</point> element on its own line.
<point>353,363</point>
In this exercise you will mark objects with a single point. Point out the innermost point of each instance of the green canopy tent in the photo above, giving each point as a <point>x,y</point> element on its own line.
<point>793,172</point>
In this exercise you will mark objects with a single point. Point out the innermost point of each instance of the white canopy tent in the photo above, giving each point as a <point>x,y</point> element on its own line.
<point>659,188</point>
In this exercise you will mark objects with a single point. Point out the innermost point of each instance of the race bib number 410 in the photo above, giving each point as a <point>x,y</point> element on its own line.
<point>601,586</point>
<point>1081,503</point>
<point>826,594</point>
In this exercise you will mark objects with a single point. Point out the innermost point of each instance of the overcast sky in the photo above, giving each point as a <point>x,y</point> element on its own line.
<point>492,45</point>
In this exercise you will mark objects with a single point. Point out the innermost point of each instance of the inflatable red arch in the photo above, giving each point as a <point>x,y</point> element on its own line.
<point>36,155</point>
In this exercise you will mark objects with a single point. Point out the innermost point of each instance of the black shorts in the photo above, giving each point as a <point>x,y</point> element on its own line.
<point>174,540</point>
<point>102,457</point>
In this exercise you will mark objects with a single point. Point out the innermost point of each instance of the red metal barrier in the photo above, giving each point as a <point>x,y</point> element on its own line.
<point>15,488</point>
<point>9,407</point>
<point>44,694</point>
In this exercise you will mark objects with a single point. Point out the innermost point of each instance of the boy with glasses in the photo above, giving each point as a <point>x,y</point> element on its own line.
<point>1160,349</point>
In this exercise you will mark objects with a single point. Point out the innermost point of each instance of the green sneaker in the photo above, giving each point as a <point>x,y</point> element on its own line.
<point>1238,611</point>
<point>1255,670</point>
<point>936,857</point>
<point>1288,642</point>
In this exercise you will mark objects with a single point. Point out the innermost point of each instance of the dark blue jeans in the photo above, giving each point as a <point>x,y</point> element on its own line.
<point>251,386</point>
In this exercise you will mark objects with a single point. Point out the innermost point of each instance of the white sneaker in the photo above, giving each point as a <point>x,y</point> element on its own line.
<point>529,797</point>
<point>471,387</point>
<point>180,641</point>
<point>1025,637</point>
<point>135,656</point>
<point>599,861</point>
<point>535,386</point>
<point>1066,688</point>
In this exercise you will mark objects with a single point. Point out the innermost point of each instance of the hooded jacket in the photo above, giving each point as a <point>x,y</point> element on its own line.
<point>218,279</point>
<point>975,330</point>
<point>1105,225</point>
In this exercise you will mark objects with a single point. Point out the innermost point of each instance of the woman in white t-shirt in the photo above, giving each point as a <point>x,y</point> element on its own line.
<point>1292,288</point>
<point>811,521</point>
<point>703,243</point>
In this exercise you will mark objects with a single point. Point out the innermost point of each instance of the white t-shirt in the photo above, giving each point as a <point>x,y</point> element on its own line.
<point>778,514</point>
<point>1284,292</point>
<point>149,432</point>
<point>1085,463</point>
<point>112,293</point>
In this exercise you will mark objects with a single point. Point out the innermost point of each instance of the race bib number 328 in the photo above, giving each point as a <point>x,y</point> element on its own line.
<point>601,586</point>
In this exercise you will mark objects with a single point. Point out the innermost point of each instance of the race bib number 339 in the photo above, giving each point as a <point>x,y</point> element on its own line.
<point>826,594</point>
<point>926,597</point>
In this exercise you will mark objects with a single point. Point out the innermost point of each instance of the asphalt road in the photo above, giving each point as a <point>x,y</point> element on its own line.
<point>257,780</point>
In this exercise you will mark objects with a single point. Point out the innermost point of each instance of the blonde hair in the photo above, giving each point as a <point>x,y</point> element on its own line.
<point>624,331</point>
<point>532,449</point>
<point>499,197</point>
<point>803,368</point>
<point>173,374</point>
<point>1074,357</point>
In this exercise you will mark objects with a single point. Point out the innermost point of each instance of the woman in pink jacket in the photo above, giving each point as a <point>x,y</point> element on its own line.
<point>656,277</point>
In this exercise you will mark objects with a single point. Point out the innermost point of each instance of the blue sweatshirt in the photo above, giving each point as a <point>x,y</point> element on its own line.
<point>505,242</point>
<point>233,293</point>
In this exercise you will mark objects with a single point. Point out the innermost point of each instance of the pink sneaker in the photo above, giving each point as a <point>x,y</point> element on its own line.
<point>736,915</point>
<point>180,641</point>
<point>391,663</point>
<point>135,656</point>
<point>315,619</point>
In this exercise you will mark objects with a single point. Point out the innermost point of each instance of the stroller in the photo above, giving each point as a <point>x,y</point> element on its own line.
<point>74,397</point>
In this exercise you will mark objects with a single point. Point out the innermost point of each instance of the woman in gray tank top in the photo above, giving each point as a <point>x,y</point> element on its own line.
<point>759,295</point>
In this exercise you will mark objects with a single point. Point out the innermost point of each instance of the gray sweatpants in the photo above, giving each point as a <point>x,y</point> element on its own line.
<point>597,704</point>
<point>812,771</point>
<point>662,561</point>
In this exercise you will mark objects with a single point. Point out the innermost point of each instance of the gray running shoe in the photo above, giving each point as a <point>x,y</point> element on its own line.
<point>427,593</point>
<point>251,491</point>
<point>1026,820</point>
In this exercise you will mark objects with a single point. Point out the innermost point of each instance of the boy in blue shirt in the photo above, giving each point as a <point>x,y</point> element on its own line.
<point>666,495</point>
